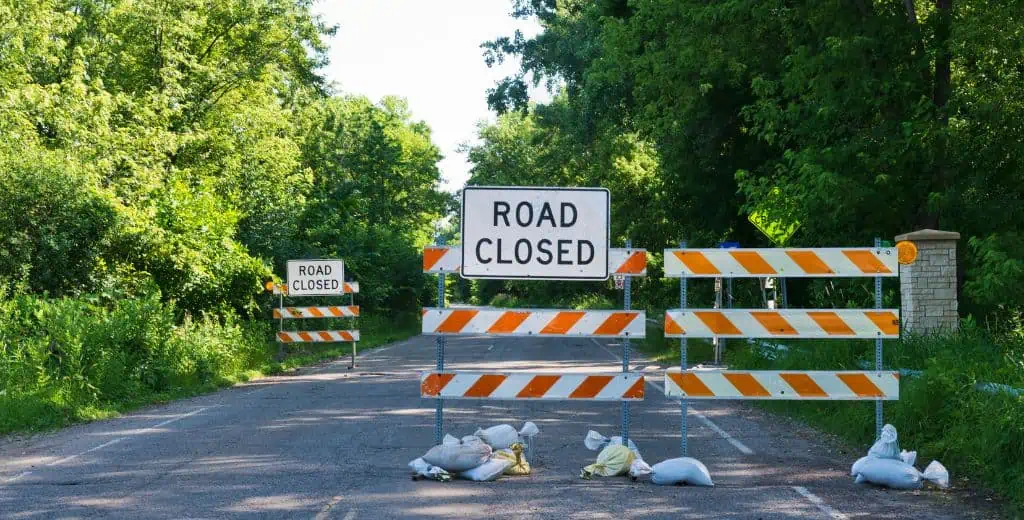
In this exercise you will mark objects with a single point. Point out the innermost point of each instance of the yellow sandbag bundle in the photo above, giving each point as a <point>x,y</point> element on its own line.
<point>613,460</point>
<point>515,454</point>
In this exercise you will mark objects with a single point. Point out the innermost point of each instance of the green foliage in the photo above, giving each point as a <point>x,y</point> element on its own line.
<point>940,413</point>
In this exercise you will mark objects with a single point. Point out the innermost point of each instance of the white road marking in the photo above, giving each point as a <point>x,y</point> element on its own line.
<point>90,450</point>
<point>325,511</point>
<point>708,422</point>
<point>18,477</point>
<point>175,419</point>
<point>819,503</point>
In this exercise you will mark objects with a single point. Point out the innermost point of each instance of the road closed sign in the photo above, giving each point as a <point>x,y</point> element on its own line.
<point>316,277</point>
<point>535,233</point>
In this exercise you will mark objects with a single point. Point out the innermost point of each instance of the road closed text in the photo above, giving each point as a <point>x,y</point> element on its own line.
<point>535,233</point>
<point>316,277</point>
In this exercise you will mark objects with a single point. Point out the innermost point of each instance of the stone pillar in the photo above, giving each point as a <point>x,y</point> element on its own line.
<point>928,302</point>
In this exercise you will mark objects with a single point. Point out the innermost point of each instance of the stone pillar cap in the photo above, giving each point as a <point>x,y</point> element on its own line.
<point>928,234</point>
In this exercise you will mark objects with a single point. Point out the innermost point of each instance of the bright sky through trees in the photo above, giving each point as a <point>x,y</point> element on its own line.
<point>428,53</point>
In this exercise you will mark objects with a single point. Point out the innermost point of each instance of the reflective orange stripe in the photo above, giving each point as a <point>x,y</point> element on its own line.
<point>774,322</point>
<point>434,383</point>
<point>747,385</point>
<point>284,337</point>
<point>562,322</point>
<point>831,323</point>
<point>508,322</point>
<point>345,335</point>
<point>354,309</point>
<point>752,262</point>
<point>866,261</point>
<point>887,322</point>
<point>305,336</point>
<point>538,386</point>
<point>861,385</point>
<point>485,385</point>
<point>314,311</point>
<point>690,384</point>
<point>696,262</point>
<point>810,262</point>
<point>671,327</point>
<point>590,387</point>
<point>456,320</point>
<point>431,255</point>
<point>277,313</point>
<point>616,322</point>
<point>636,391</point>
<point>803,385</point>
<point>326,336</point>
<point>717,322</point>
<point>636,263</point>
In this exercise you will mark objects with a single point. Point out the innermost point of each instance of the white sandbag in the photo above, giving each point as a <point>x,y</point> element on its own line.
<point>503,436</point>
<point>490,470</point>
<point>470,439</point>
<point>682,470</point>
<point>421,468</point>
<point>457,458</point>
<point>639,468</point>
<point>897,474</point>
<point>910,457</point>
<point>595,441</point>
<point>887,446</point>
<point>450,440</point>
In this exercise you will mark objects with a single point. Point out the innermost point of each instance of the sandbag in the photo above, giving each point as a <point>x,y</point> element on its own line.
<point>514,454</point>
<point>897,474</point>
<point>504,436</point>
<point>614,459</point>
<point>421,469</point>
<point>887,446</point>
<point>639,468</point>
<point>682,470</point>
<point>595,441</point>
<point>456,458</point>
<point>910,457</point>
<point>490,470</point>
<point>470,439</point>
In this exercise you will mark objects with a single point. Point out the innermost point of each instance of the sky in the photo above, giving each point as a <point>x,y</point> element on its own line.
<point>427,52</point>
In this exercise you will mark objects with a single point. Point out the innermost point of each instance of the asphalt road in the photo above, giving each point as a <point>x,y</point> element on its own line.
<point>334,443</point>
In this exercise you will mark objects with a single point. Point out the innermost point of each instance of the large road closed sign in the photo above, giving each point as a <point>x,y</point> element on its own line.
<point>535,233</point>
<point>316,277</point>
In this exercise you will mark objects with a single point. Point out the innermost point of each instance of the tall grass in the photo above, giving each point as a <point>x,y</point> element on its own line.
<point>940,413</point>
<point>73,359</point>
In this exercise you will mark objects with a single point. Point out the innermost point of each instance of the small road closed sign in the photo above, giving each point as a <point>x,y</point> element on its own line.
<point>316,277</point>
<point>535,233</point>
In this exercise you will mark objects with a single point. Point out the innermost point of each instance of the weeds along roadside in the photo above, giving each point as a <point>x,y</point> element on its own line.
<point>77,359</point>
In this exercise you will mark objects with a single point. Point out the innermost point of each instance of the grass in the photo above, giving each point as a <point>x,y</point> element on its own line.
<point>978,436</point>
<point>666,351</point>
<point>40,394</point>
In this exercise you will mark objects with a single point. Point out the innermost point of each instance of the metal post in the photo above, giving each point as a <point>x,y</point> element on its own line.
<point>351,302</point>
<point>719,287</point>
<point>683,404</point>
<point>728,294</point>
<point>280,323</point>
<point>878,348</point>
<point>626,303</point>
<point>440,357</point>
<point>784,294</point>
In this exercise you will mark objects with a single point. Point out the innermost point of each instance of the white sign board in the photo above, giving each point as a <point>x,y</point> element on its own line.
<point>316,277</point>
<point>535,233</point>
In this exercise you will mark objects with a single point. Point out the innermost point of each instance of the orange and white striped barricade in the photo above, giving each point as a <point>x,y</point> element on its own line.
<point>532,386</point>
<point>332,311</point>
<point>448,259</point>
<point>782,323</point>
<point>788,385</point>
<point>832,262</point>
<point>347,288</point>
<point>534,322</point>
<point>317,336</point>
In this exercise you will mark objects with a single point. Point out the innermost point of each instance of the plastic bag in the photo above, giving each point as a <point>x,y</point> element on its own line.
<point>897,474</point>
<point>639,468</point>
<point>490,470</point>
<point>595,441</point>
<point>887,446</point>
<point>514,454</point>
<point>614,459</point>
<point>450,440</point>
<point>910,457</point>
<point>456,458</point>
<point>682,470</point>
<point>421,468</point>
<point>470,439</point>
<point>504,436</point>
